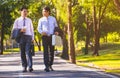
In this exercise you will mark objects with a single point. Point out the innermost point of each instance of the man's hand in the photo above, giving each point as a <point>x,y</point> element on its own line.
<point>23,30</point>
<point>56,33</point>
<point>32,41</point>
<point>44,33</point>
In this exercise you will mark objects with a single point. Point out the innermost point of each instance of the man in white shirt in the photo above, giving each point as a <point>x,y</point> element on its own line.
<point>46,27</point>
<point>25,24</point>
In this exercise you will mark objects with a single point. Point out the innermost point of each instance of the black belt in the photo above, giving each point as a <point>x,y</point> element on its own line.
<point>27,35</point>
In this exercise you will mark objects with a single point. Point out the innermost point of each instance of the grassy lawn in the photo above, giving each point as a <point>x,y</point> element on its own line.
<point>16,50</point>
<point>109,59</point>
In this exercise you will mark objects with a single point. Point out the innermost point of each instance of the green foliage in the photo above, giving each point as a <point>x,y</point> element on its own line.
<point>9,11</point>
<point>113,37</point>
<point>61,8</point>
<point>35,12</point>
<point>5,17</point>
<point>78,23</point>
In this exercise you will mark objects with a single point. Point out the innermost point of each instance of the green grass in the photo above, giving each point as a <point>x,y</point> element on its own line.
<point>109,59</point>
<point>9,51</point>
<point>16,50</point>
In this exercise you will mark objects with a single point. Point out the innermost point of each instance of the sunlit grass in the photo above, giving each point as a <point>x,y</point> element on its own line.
<point>109,59</point>
<point>17,50</point>
<point>9,51</point>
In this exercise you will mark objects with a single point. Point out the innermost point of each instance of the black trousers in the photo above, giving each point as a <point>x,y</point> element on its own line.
<point>48,50</point>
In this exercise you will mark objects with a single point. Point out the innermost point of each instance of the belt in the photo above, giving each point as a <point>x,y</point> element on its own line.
<point>27,35</point>
<point>47,35</point>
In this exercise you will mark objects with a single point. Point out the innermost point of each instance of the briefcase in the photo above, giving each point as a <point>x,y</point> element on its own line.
<point>32,50</point>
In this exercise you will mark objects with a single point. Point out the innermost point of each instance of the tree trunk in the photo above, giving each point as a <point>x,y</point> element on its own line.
<point>87,35</point>
<point>2,37</point>
<point>97,23</point>
<point>70,34</point>
<point>65,45</point>
<point>117,4</point>
<point>64,54</point>
<point>38,44</point>
<point>96,30</point>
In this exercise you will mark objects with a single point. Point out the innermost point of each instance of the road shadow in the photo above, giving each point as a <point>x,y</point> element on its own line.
<point>52,74</point>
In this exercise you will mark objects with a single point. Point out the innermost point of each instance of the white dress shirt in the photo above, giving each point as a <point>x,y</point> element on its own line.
<point>47,25</point>
<point>28,25</point>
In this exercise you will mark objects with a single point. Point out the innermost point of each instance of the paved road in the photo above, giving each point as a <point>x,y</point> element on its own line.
<point>10,67</point>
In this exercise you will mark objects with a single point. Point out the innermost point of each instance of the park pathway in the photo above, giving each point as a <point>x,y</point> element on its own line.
<point>10,67</point>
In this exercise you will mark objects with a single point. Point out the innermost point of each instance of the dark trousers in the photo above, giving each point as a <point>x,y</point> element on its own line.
<point>48,50</point>
<point>25,47</point>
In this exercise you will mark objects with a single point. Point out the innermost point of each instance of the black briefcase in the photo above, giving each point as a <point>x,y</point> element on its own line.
<point>32,50</point>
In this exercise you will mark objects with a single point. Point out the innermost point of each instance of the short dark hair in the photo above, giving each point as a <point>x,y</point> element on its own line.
<point>46,8</point>
<point>23,7</point>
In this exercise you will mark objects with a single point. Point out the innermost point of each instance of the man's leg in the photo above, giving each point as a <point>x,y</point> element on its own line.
<point>23,56</point>
<point>28,52</point>
<point>46,54</point>
<point>51,53</point>
<point>29,56</point>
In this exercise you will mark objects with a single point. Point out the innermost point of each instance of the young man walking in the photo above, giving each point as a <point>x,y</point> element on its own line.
<point>25,24</point>
<point>46,27</point>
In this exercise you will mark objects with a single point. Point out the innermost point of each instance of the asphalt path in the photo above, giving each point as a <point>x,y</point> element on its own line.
<point>10,67</point>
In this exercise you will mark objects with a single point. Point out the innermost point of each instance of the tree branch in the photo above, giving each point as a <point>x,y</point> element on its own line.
<point>104,9</point>
<point>117,4</point>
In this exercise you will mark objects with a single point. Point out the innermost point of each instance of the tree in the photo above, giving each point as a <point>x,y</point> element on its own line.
<point>60,11</point>
<point>70,33</point>
<point>65,54</point>
<point>88,27</point>
<point>9,11</point>
<point>6,19</point>
<point>97,23</point>
<point>36,13</point>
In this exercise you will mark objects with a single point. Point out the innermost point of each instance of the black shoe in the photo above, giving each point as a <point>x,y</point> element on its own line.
<point>24,70</point>
<point>30,69</point>
<point>51,68</point>
<point>47,69</point>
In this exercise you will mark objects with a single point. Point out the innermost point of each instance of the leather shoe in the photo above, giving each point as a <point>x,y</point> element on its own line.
<point>24,70</point>
<point>47,69</point>
<point>51,68</point>
<point>30,69</point>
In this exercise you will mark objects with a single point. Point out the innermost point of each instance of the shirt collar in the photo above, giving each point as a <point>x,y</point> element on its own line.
<point>46,17</point>
<point>23,18</point>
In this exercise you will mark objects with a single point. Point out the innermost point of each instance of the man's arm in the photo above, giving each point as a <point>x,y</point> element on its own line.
<point>40,28</point>
<point>56,28</point>
<point>15,25</point>
<point>32,30</point>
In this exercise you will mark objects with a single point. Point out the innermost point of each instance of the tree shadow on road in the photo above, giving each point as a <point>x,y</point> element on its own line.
<point>52,74</point>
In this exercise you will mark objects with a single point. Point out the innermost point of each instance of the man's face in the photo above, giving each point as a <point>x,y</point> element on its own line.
<point>45,13</point>
<point>24,12</point>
